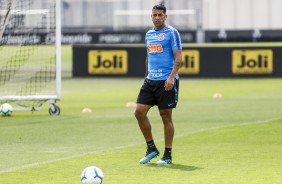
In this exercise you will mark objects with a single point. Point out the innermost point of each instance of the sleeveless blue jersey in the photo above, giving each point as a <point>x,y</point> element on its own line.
<point>160,45</point>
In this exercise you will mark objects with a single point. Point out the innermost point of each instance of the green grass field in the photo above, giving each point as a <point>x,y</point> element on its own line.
<point>233,140</point>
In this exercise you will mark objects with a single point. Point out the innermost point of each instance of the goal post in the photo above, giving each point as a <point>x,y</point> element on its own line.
<point>30,53</point>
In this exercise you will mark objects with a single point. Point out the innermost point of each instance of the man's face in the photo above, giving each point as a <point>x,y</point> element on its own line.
<point>158,18</point>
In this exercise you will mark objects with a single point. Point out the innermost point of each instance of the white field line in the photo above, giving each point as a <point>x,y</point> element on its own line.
<point>132,145</point>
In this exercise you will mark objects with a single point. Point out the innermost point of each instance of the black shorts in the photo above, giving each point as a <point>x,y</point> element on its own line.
<point>153,93</point>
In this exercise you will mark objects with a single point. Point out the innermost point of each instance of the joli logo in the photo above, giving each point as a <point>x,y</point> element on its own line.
<point>107,62</point>
<point>252,61</point>
<point>190,62</point>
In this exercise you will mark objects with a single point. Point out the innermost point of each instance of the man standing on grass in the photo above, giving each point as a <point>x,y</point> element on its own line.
<point>160,87</point>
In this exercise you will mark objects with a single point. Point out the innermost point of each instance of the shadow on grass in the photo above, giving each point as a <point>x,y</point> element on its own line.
<point>175,166</point>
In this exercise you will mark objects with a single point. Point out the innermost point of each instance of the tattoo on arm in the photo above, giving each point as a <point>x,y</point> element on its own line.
<point>178,59</point>
<point>177,64</point>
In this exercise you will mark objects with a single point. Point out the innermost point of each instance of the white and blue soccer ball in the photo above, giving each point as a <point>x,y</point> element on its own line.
<point>6,109</point>
<point>92,175</point>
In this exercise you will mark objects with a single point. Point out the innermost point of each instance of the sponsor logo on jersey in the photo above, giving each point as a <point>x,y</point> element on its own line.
<point>252,61</point>
<point>155,73</point>
<point>107,62</point>
<point>155,48</point>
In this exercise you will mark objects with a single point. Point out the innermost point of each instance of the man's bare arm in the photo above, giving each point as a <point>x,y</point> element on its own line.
<point>177,63</point>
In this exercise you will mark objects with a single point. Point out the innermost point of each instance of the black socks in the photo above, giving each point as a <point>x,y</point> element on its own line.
<point>151,145</point>
<point>167,153</point>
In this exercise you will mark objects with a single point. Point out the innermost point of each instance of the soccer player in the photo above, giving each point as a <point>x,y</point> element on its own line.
<point>160,87</point>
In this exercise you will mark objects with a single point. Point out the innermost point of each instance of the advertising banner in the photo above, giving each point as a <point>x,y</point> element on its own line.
<point>87,38</point>
<point>126,60</point>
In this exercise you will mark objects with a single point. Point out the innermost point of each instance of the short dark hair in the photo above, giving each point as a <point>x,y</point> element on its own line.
<point>160,7</point>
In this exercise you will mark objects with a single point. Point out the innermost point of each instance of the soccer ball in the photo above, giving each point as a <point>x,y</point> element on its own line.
<point>6,109</point>
<point>92,175</point>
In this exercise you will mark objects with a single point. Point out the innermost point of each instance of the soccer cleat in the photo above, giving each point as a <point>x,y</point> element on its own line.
<point>149,156</point>
<point>164,161</point>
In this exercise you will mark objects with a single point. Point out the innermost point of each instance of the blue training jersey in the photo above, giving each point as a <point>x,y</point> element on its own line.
<point>160,45</point>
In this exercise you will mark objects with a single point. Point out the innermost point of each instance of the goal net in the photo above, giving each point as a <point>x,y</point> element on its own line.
<point>30,41</point>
